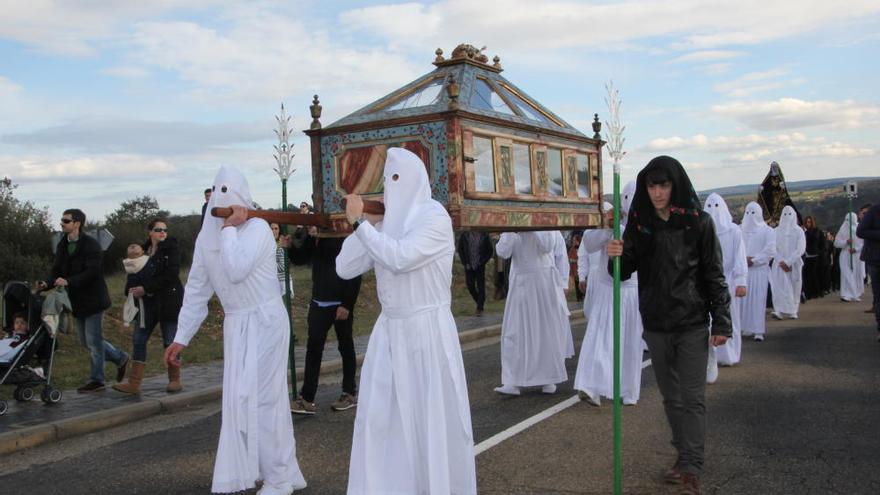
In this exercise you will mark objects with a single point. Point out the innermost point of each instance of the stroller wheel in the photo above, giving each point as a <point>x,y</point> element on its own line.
<point>3,407</point>
<point>51,395</point>
<point>23,394</point>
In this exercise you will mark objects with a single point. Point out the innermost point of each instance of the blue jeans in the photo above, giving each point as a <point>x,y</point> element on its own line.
<point>91,337</point>
<point>142,335</point>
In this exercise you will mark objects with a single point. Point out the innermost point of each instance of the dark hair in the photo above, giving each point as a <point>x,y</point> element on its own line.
<point>18,315</point>
<point>76,215</point>
<point>154,221</point>
<point>866,206</point>
<point>657,176</point>
<point>208,190</point>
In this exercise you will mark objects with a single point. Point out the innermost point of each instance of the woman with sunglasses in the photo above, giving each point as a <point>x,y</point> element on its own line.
<point>163,296</point>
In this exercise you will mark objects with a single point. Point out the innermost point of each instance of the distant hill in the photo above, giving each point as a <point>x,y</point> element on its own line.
<point>804,185</point>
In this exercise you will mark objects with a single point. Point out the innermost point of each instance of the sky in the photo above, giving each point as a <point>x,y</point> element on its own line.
<point>101,102</point>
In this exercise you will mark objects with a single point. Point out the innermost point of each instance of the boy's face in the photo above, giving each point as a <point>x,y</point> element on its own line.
<point>660,194</point>
<point>862,212</point>
<point>135,251</point>
<point>68,225</point>
<point>19,326</point>
<point>276,230</point>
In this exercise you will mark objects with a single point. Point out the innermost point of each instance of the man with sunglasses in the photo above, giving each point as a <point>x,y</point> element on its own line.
<point>78,268</point>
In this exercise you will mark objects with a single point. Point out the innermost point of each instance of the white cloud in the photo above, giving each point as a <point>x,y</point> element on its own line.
<point>757,82</point>
<point>43,168</point>
<point>708,56</point>
<point>126,72</point>
<point>8,89</point>
<point>793,113</point>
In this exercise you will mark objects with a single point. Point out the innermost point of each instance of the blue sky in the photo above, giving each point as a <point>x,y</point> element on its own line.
<point>104,101</point>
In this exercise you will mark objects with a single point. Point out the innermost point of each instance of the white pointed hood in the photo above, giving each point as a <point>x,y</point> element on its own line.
<point>716,207</point>
<point>787,232</point>
<point>753,218</point>
<point>230,188</point>
<point>844,231</point>
<point>407,192</point>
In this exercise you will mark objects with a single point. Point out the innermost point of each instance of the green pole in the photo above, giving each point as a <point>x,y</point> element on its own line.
<point>287,295</point>
<point>849,246</point>
<point>618,468</point>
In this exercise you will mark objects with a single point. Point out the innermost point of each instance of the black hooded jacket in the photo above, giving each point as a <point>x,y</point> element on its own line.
<point>681,276</point>
<point>82,270</point>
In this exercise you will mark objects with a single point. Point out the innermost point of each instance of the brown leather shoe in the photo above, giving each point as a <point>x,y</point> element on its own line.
<point>673,475</point>
<point>690,484</point>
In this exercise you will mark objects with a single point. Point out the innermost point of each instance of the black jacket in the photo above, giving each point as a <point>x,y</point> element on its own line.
<point>82,270</point>
<point>163,287</point>
<point>681,275</point>
<point>485,249</point>
<point>869,230</point>
<point>326,284</point>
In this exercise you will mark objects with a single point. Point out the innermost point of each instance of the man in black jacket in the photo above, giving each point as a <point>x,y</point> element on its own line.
<point>474,251</point>
<point>333,301</point>
<point>78,267</point>
<point>671,243</point>
<point>869,230</point>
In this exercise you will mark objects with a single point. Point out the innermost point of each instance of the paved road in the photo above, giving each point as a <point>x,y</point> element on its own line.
<point>799,415</point>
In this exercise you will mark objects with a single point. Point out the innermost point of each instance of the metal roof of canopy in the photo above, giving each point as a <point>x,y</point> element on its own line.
<point>466,82</point>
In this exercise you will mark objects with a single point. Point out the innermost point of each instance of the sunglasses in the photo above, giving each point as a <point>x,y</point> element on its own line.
<point>159,230</point>
<point>66,221</point>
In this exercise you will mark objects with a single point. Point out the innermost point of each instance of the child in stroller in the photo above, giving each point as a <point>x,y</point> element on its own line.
<point>28,363</point>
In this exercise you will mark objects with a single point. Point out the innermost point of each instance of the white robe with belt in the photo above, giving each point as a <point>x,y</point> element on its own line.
<point>736,273</point>
<point>256,434</point>
<point>535,332</point>
<point>412,432</point>
<point>791,243</point>
<point>852,270</point>
<point>760,244</point>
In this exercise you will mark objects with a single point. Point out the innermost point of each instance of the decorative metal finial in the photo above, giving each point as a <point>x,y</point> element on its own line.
<point>315,109</point>
<point>283,155</point>
<point>453,90</point>
<point>439,57</point>
<point>614,134</point>
<point>597,127</point>
<point>497,61</point>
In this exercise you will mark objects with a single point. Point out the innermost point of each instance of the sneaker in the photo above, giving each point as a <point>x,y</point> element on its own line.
<point>301,406</point>
<point>589,399</point>
<point>759,337</point>
<point>507,390</point>
<point>90,387</point>
<point>120,370</point>
<point>345,401</point>
<point>690,484</point>
<point>548,389</point>
<point>776,315</point>
<point>629,402</point>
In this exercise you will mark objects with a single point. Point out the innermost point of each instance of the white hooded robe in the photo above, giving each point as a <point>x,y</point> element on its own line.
<point>791,243</point>
<point>412,432</point>
<point>238,264</point>
<point>588,264</point>
<point>852,269</point>
<point>760,243</point>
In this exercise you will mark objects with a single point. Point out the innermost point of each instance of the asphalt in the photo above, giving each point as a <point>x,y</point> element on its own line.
<point>799,415</point>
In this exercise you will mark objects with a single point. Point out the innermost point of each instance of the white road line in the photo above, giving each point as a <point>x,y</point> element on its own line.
<point>523,425</point>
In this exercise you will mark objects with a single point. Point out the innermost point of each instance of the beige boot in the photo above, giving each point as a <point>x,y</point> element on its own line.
<point>174,385</point>
<point>134,379</point>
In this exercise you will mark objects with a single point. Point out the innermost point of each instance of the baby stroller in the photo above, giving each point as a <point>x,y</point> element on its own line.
<point>38,349</point>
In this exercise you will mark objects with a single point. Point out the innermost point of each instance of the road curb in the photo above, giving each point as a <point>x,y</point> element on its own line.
<point>32,436</point>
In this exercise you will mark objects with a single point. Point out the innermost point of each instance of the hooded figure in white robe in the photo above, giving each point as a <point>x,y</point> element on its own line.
<point>852,269</point>
<point>595,372</point>
<point>736,273</point>
<point>535,333</point>
<point>412,432</point>
<point>238,264</point>
<point>791,243</point>
<point>588,263</point>
<point>760,243</point>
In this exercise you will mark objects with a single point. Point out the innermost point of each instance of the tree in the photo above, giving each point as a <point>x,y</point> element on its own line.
<point>25,237</point>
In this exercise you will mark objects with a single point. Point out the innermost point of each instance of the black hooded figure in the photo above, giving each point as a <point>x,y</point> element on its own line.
<point>681,283</point>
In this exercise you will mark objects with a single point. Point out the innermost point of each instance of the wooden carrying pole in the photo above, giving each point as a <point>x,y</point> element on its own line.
<point>279,217</point>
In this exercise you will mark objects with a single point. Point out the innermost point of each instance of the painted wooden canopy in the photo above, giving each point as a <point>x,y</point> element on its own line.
<point>497,159</point>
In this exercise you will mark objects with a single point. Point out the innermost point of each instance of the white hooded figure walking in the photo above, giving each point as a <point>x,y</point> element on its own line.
<point>588,265</point>
<point>852,269</point>
<point>235,258</point>
<point>760,243</point>
<point>785,275</point>
<point>736,274</point>
<point>412,432</point>
<point>594,378</point>
<point>535,332</point>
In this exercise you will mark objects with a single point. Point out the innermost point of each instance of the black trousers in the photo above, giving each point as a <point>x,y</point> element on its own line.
<point>476,285</point>
<point>320,320</point>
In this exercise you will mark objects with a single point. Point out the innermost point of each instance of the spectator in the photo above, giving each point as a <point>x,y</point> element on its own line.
<point>77,267</point>
<point>162,294</point>
<point>333,301</point>
<point>205,206</point>
<point>474,252</point>
<point>671,243</point>
<point>815,247</point>
<point>573,265</point>
<point>280,259</point>
<point>869,231</point>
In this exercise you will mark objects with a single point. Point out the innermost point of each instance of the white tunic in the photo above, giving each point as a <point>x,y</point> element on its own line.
<point>852,269</point>
<point>791,243</point>
<point>588,265</point>
<point>256,434</point>
<point>760,244</point>
<point>535,332</point>
<point>595,370</point>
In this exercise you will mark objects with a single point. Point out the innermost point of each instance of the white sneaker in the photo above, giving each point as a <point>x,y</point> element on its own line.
<point>794,316</point>
<point>776,315</point>
<point>759,337</point>
<point>629,402</point>
<point>588,398</point>
<point>507,390</point>
<point>548,389</point>
<point>711,367</point>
